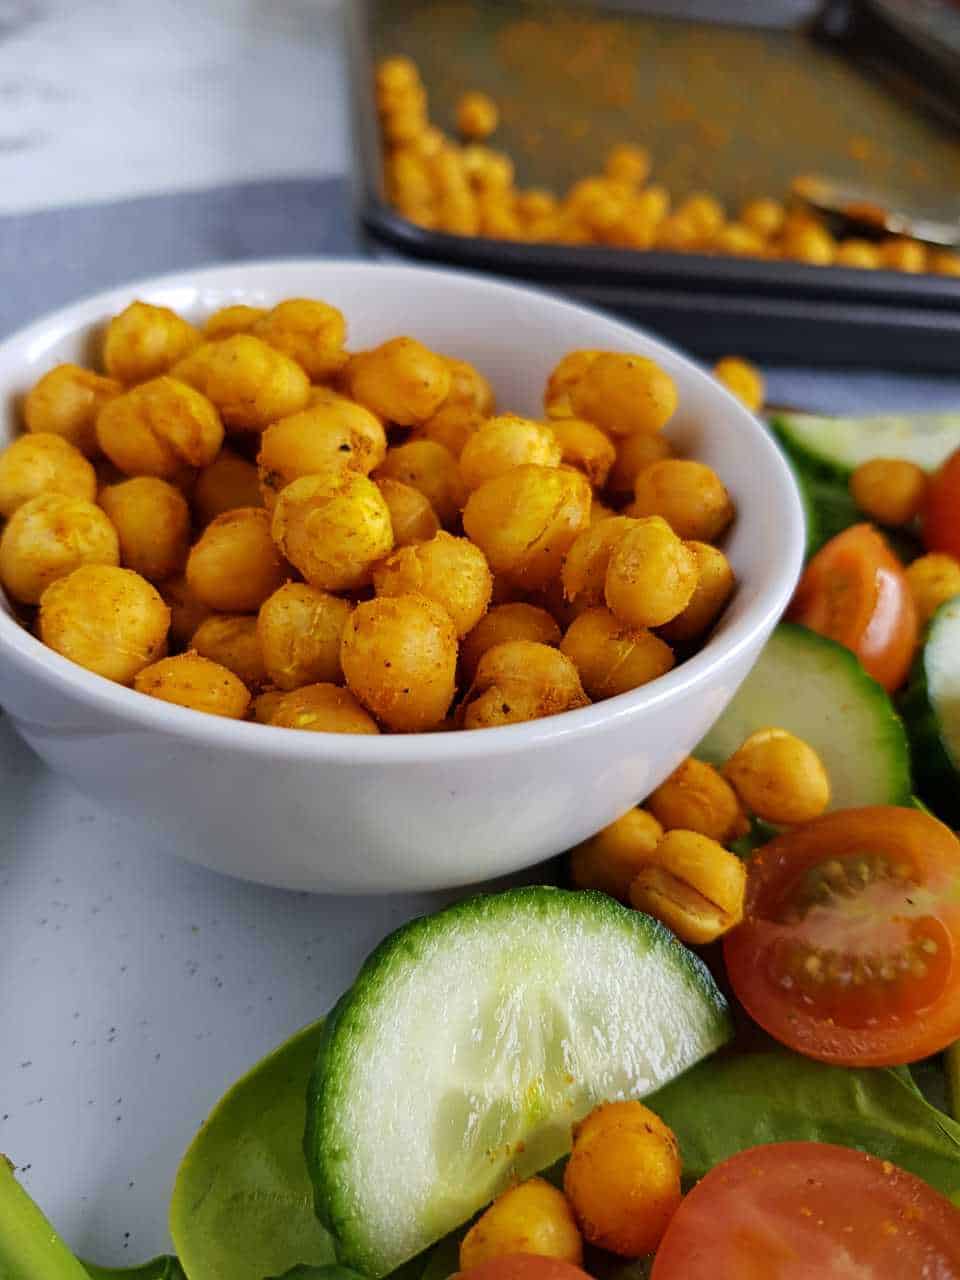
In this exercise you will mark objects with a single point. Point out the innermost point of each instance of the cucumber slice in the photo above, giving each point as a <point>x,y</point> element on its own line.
<point>837,446</point>
<point>818,690</point>
<point>932,712</point>
<point>470,1043</point>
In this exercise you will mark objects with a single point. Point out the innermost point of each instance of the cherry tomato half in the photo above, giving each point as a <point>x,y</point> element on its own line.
<point>810,1211</point>
<point>854,591</point>
<point>941,513</point>
<point>523,1266</point>
<point>849,950</point>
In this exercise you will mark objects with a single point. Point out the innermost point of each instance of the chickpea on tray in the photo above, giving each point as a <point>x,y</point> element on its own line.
<point>247,519</point>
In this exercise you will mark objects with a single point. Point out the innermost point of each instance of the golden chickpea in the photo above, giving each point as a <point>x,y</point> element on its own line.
<point>300,630</point>
<point>903,255</point>
<point>889,490</point>
<point>611,860</point>
<point>66,401</point>
<point>405,118</point>
<point>186,610</point>
<point>944,263</point>
<point>808,243</point>
<point>308,331</point>
<point>397,72</point>
<point>586,448</point>
<point>585,567</point>
<point>229,482</point>
<point>652,204</point>
<point>144,341</point>
<point>401,381</point>
<point>779,777</point>
<point>325,437</point>
<point>693,884</point>
<point>633,454</point>
<point>322,708</point>
<point>47,538</point>
<point>264,705</point>
<point>533,1217</point>
<point>450,571</point>
<point>450,428</point>
<point>742,378</point>
<point>705,212</point>
<point>43,463</point>
<point>677,233</point>
<point>231,639</point>
<point>411,516</point>
<point>613,658</point>
<point>469,402</point>
<point>250,383</point>
<point>237,318</point>
<point>763,215</point>
<point>487,169</point>
<point>858,253</point>
<point>623,1178</point>
<point>715,584</point>
<point>623,394</point>
<point>651,576</point>
<point>627,162</point>
<point>156,428</point>
<point>234,565</point>
<point>521,680</point>
<point>696,797</point>
<point>108,620</point>
<point>933,580</point>
<point>399,656</point>
<point>536,204</point>
<point>738,241</point>
<point>599,511</point>
<point>431,469</point>
<point>503,443</point>
<point>556,397</point>
<point>515,621</point>
<point>525,521</point>
<point>189,680</point>
<point>333,527</point>
<point>477,116</point>
<point>152,521</point>
<point>689,495</point>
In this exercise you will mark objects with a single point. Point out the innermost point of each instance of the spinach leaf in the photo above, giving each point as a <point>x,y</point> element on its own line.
<point>723,1106</point>
<point>159,1269</point>
<point>242,1205</point>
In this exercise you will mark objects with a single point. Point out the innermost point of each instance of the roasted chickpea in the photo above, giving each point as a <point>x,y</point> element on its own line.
<point>322,438</point>
<point>401,381</point>
<point>469,402</point>
<point>505,442</point>
<point>43,463</point>
<point>738,241</point>
<point>633,454</point>
<point>933,580</point>
<point>231,639</point>
<point>689,495</point>
<point>693,884</point>
<point>623,394</point>
<point>533,1217</point>
<point>586,448</point>
<point>397,73</point>
<point>264,705</point>
<point>411,515</point>
<point>229,482</point>
<point>763,215</point>
<point>696,797</point>
<point>250,383</point>
<point>234,565</point>
<point>308,331</point>
<point>300,630</point>
<point>677,233</point>
<point>623,1178</point>
<point>611,860</point>
<point>651,576</point>
<point>144,341</point>
<point>889,490</point>
<point>505,622</point>
<point>779,777</point>
<point>599,511</point>
<point>157,428</point>
<point>152,521</point>
<point>705,212</point>
<point>556,397</point>
<point>715,584</point>
<point>585,567</point>
<point>611,657</point>
<point>66,401</point>
<point>450,428</point>
<point>450,571</point>
<point>433,470</point>
<point>191,681</point>
<point>238,318</point>
<point>742,378</point>
<point>944,263</point>
<point>626,162</point>
<point>903,255</point>
<point>525,521</point>
<point>108,620</point>
<point>521,680</point>
<point>322,708</point>
<point>477,116</point>
<point>47,538</point>
<point>399,656</point>
<point>535,204</point>
<point>333,527</point>
<point>186,610</point>
<point>808,242</point>
<point>487,170</point>
<point>858,253</point>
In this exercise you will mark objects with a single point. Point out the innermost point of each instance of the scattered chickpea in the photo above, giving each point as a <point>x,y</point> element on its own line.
<point>742,378</point>
<point>533,1217</point>
<point>629,163</point>
<point>933,580</point>
<point>611,860</point>
<point>696,797</point>
<point>693,884</point>
<point>889,490</point>
<point>779,777</point>
<point>477,116</point>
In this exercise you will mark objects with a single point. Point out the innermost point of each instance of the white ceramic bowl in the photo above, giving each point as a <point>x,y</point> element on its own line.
<point>337,813</point>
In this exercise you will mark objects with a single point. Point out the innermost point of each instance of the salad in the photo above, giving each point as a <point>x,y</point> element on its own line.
<point>725,1045</point>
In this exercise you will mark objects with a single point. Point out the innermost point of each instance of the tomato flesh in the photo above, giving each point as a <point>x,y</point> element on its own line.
<point>810,1211</point>
<point>849,950</point>
<point>855,592</point>
<point>941,514</point>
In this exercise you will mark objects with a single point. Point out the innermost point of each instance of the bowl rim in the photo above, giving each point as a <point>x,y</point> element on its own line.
<point>206,730</point>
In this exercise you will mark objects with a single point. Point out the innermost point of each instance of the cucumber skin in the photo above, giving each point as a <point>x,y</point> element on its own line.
<point>334,1213</point>
<point>938,777</point>
<point>810,464</point>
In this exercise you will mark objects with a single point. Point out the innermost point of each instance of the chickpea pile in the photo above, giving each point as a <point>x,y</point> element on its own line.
<point>249,520</point>
<point>467,188</point>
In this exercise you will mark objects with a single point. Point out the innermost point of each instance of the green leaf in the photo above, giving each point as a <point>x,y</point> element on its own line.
<point>242,1205</point>
<point>332,1271</point>
<point>30,1249</point>
<point>165,1268</point>
<point>723,1106</point>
